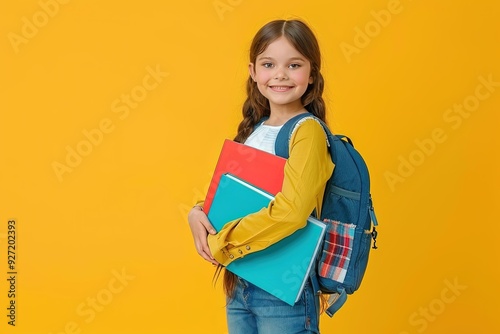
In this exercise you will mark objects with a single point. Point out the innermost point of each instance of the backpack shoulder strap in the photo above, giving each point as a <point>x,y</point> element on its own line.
<point>336,301</point>
<point>346,139</point>
<point>262,120</point>
<point>282,145</point>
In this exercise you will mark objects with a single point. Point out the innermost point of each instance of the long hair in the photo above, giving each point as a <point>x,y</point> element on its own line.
<point>304,41</point>
<point>257,106</point>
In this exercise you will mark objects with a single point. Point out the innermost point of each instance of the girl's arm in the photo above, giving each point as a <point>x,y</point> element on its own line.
<point>306,172</point>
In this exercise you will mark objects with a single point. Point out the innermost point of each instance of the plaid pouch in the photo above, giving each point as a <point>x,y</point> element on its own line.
<point>337,250</point>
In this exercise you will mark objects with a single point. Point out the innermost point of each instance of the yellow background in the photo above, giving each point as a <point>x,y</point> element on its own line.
<point>122,208</point>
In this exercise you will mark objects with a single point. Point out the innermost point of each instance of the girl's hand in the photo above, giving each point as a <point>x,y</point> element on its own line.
<point>200,228</point>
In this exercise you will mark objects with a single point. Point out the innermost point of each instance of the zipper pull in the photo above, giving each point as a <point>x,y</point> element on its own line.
<point>374,237</point>
<point>371,210</point>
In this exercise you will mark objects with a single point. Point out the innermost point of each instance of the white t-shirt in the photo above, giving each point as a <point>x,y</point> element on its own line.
<point>264,137</point>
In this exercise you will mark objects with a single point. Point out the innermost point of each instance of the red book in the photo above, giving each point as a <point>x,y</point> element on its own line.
<point>259,168</point>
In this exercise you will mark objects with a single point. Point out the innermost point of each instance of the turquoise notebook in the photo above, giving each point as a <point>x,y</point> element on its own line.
<point>283,268</point>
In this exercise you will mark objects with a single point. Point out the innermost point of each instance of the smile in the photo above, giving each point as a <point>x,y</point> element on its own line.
<point>280,88</point>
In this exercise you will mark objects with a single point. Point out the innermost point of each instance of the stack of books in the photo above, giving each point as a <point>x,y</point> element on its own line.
<point>245,181</point>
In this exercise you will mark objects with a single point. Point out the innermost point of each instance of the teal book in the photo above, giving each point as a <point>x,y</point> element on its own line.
<point>281,269</point>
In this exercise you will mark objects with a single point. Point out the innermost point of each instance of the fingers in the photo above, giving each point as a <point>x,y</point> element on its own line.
<point>209,258</point>
<point>197,215</point>
<point>202,217</point>
<point>210,229</point>
<point>204,251</point>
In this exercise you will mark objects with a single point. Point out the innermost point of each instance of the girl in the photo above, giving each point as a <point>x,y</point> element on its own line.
<point>284,81</point>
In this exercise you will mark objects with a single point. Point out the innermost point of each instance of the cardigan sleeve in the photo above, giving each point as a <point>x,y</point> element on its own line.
<point>305,175</point>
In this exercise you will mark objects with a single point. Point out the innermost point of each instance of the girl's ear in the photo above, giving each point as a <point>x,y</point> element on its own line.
<point>251,70</point>
<point>311,80</point>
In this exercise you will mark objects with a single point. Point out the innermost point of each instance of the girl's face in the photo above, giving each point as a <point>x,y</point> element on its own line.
<point>282,75</point>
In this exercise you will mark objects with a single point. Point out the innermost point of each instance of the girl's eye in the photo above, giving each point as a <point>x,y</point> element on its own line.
<point>267,65</point>
<point>294,66</point>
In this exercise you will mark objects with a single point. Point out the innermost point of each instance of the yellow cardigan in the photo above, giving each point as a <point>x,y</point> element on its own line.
<point>306,172</point>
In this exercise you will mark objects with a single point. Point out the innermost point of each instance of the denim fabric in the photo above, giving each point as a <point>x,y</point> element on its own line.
<point>254,311</point>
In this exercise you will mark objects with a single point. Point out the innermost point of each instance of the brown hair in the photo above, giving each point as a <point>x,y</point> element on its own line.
<point>256,105</point>
<point>302,38</point>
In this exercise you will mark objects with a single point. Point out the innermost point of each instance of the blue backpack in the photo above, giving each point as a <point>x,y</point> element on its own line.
<point>348,212</point>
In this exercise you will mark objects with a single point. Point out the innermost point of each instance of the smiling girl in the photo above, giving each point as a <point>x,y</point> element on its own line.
<point>284,81</point>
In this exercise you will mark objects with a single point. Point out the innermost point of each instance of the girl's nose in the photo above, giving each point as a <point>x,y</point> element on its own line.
<point>280,75</point>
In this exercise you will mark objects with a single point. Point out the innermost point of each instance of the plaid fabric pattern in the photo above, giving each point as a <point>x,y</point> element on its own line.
<point>336,250</point>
